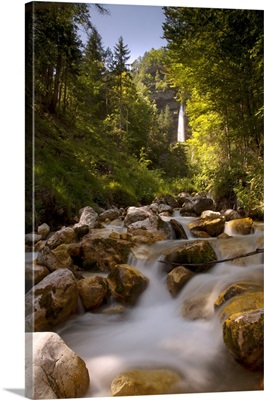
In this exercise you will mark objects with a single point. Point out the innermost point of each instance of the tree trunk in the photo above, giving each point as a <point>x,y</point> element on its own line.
<point>55,97</point>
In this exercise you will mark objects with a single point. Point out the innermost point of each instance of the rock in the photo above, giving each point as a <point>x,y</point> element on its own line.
<point>167,199</point>
<point>194,252</point>
<point>179,232</point>
<point>135,214</point>
<point>49,259</point>
<point>81,230</point>
<point>110,215</point>
<point>230,214</point>
<point>32,238</point>
<point>87,217</point>
<point>211,214</point>
<point>177,278</point>
<point>53,370</point>
<point>145,382</point>
<point>153,228</point>
<point>201,204</point>
<point>51,301</point>
<point>196,308</point>
<point>39,245</point>
<point>224,236</point>
<point>63,256</point>
<point>234,290</point>
<point>142,236</point>
<point>197,205</point>
<point>34,274</point>
<point>103,254</point>
<point>200,234</point>
<point>63,236</point>
<point>243,336</point>
<point>126,283</point>
<point>165,208</point>
<point>211,225</point>
<point>183,198</point>
<point>43,231</point>
<point>241,226</point>
<point>93,291</point>
<point>111,310</point>
<point>154,207</point>
<point>246,301</point>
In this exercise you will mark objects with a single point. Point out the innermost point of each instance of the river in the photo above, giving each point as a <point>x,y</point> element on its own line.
<point>155,334</point>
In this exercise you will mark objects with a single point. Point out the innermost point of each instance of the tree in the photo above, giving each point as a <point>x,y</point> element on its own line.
<point>214,60</point>
<point>91,86</point>
<point>121,84</point>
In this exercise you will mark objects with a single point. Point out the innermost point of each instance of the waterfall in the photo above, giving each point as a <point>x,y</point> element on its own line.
<point>181,130</point>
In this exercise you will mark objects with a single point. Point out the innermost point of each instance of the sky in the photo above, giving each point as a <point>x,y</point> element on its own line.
<point>140,26</point>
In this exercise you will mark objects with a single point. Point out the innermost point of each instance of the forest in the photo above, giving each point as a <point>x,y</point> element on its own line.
<point>96,136</point>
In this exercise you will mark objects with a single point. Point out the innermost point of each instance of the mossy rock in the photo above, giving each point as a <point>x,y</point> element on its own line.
<point>177,278</point>
<point>126,283</point>
<point>243,336</point>
<point>241,226</point>
<point>197,252</point>
<point>234,290</point>
<point>93,291</point>
<point>248,301</point>
<point>145,382</point>
<point>211,226</point>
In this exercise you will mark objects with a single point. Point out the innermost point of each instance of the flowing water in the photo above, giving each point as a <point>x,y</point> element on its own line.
<point>155,333</point>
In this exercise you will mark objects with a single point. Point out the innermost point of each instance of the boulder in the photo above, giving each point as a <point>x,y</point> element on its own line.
<point>177,278</point>
<point>212,225</point>
<point>230,214</point>
<point>93,291</point>
<point>63,236</point>
<point>178,230</point>
<point>81,230</point>
<point>197,252</point>
<point>224,236</point>
<point>247,301</point>
<point>110,215</point>
<point>32,238</point>
<point>63,256</point>
<point>154,207</point>
<point>243,336</point>
<point>102,254</point>
<point>241,226</point>
<point>234,290</point>
<point>49,259</point>
<point>197,205</point>
<point>135,214</point>
<point>167,199</point>
<point>165,208</point>
<point>126,283</point>
<point>156,225</point>
<point>43,231</point>
<point>87,217</point>
<point>51,301</point>
<point>211,214</point>
<point>53,370</point>
<point>145,382</point>
<point>200,234</point>
<point>196,308</point>
<point>34,274</point>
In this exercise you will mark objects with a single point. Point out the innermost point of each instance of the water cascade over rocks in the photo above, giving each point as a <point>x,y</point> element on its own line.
<point>178,326</point>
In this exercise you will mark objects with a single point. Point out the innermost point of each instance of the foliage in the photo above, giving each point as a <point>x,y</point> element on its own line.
<point>214,59</point>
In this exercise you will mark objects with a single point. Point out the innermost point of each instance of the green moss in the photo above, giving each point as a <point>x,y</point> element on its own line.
<point>243,336</point>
